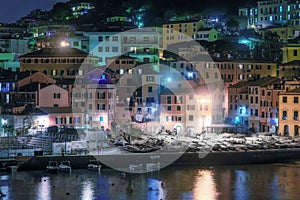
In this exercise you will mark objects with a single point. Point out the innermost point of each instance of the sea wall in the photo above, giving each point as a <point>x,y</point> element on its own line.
<point>185,159</point>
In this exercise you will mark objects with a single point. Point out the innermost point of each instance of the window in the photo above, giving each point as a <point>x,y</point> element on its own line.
<point>101,95</point>
<point>115,38</point>
<point>284,115</point>
<point>178,108</point>
<point>295,99</point>
<point>56,95</point>
<point>205,107</point>
<point>150,89</point>
<point>101,106</point>
<point>295,52</point>
<point>107,38</point>
<point>100,38</point>
<point>295,115</point>
<point>169,100</point>
<point>169,108</point>
<point>191,117</point>
<point>114,49</point>
<point>54,72</point>
<point>58,120</point>
<point>150,78</point>
<point>75,43</point>
<point>106,49</point>
<point>284,99</point>
<point>90,106</point>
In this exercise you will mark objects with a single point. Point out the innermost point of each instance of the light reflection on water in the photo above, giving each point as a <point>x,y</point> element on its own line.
<point>44,189</point>
<point>205,186</point>
<point>223,182</point>
<point>87,191</point>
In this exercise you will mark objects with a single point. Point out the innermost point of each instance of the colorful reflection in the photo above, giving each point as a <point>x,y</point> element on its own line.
<point>205,186</point>
<point>88,190</point>
<point>44,189</point>
<point>155,189</point>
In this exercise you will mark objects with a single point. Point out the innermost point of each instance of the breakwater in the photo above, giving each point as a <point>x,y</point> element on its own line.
<point>184,159</point>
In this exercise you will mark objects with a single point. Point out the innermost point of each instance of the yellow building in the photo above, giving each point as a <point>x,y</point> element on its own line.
<point>179,31</point>
<point>290,53</point>
<point>289,113</point>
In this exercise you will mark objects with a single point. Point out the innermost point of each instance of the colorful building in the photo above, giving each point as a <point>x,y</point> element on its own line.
<point>289,113</point>
<point>58,63</point>
<point>290,52</point>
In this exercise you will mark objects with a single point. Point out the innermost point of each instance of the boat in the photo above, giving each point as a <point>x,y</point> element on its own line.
<point>152,166</point>
<point>65,166</point>
<point>135,167</point>
<point>94,165</point>
<point>52,166</point>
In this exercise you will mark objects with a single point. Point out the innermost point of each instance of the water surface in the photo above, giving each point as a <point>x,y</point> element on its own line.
<point>277,181</point>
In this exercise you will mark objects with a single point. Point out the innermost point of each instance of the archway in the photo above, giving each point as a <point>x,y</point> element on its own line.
<point>286,130</point>
<point>296,130</point>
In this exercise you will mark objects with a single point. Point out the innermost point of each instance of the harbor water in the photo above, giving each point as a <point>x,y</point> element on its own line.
<point>271,181</point>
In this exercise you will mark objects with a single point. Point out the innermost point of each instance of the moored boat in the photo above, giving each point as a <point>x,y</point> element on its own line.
<point>65,166</point>
<point>52,166</point>
<point>94,165</point>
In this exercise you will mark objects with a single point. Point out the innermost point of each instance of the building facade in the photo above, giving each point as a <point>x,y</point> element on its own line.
<point>289,113</point>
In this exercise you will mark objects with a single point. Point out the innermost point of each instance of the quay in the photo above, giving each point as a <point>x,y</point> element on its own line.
<point>184,159</point>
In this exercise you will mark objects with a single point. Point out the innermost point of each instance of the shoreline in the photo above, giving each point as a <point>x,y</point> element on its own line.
<point>122,161</point>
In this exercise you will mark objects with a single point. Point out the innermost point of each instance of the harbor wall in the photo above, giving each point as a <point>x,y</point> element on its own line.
<point>186,159</point>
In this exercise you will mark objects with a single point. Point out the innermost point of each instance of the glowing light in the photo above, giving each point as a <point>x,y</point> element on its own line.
<point>203,100</point>
<point>4,121</point>
<point>169,79</point>
<point>237,120</point>
<point>64,44</point>
<point>190,75</point>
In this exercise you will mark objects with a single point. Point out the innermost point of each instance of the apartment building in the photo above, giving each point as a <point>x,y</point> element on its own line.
<point>94,95</point>
<point>58,63</point>
<point>289,112</point>
<point>178,31</point>
<point>184,110</point>
<point>290,52</point>
<point>254,104</point>
<point>265,13</point>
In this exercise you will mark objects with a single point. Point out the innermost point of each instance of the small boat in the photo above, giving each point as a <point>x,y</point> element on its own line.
<point>52,166</point>
<point>94,165</point>
<point>135,167</point>
<point>152,166</point>
<point>65,166</point>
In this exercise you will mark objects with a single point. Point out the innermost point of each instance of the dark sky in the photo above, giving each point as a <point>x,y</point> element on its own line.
<point>12,10</point>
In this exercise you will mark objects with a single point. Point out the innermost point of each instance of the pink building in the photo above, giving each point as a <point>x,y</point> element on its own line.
<point>52,96</point>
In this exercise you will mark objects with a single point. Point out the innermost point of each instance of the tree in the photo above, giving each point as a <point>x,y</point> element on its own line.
<point>232,25</point>
<point>273,45</point>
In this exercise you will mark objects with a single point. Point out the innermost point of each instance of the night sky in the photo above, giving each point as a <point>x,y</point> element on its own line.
<point>12,10</point>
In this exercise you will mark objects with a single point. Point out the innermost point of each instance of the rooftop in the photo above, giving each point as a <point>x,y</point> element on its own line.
<point>56,52</point>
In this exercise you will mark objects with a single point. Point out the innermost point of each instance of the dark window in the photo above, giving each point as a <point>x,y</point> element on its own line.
<point>284,99</point>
